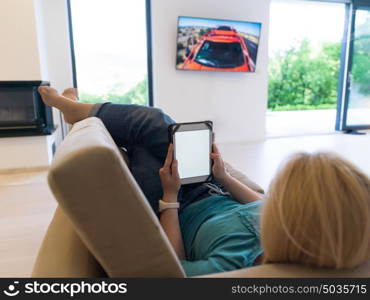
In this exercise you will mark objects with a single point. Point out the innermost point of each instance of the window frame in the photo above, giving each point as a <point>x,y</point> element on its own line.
<point>148,13</point>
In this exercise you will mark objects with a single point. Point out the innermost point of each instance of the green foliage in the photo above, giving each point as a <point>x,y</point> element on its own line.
<point>136,95</point>
<point>302,79</point>
<point>361,72</point>
<point>204,31</point>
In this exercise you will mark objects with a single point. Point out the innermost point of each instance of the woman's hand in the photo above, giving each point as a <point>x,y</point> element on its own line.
<point>218,169</point>
<point>169,218</point>
<point>170,178</point>
<point>238,190</point>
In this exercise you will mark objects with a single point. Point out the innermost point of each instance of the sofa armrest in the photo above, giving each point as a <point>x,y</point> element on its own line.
<point>107,208</point>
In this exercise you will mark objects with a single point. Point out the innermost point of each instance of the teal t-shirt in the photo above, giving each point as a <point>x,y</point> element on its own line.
<point>220,235</point>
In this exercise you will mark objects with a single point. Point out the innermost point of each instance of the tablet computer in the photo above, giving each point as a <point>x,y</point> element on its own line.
<point>192,147</point>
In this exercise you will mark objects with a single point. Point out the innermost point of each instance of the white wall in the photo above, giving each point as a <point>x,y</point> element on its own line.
<point>55,50</point>
<point>34,45</point>
<point>28,152</point>
<point>236,102</point>
<point>19,56</point>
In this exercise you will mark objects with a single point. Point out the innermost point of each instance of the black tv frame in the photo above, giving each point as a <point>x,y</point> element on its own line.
<point>217,19</point>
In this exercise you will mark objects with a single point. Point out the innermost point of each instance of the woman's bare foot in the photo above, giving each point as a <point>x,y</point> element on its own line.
<point>73,111</point>
<point>49,95</point>
<point>70,93</point>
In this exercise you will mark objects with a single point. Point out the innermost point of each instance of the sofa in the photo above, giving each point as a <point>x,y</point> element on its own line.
<point>104,227</point>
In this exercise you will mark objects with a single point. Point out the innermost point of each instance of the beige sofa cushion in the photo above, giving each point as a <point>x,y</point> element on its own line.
<point>96,190</point>
<point>62,253</point>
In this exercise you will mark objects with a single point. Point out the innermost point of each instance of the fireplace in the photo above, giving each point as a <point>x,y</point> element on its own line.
<point>22,112</point>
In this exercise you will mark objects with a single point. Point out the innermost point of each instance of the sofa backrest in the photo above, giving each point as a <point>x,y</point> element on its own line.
<point>97,192</point>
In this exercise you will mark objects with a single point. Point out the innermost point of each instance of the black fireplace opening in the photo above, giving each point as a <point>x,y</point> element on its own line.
<point>22,112</point>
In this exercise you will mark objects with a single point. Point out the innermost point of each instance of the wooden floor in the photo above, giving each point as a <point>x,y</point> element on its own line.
<point>260,160</point>
<point>26,208</point>
<point>27,205</point>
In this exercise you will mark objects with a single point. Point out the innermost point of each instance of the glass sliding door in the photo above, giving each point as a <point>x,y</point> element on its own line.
<point>111,47</point>
<point>358,109</point>
<point>304,65</point>
<point>354,98</point>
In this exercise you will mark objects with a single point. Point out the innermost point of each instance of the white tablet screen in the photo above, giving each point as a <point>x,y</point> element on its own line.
<point>192,153</point>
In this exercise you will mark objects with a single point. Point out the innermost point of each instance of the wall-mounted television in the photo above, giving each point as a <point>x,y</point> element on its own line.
<point>217,45</point>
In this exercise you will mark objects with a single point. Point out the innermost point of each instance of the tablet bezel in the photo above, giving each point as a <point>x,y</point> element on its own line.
<point>194,126</point>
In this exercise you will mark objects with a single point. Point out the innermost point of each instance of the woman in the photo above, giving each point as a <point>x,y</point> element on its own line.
<point>317,211</point>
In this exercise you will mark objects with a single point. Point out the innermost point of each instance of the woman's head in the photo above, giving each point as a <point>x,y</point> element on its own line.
<point>317,213</point>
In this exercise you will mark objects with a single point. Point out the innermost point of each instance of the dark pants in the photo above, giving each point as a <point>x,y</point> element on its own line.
<point>143,132</point>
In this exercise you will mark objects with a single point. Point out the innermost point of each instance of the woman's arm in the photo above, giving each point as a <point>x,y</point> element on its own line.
<point>169,218</point>
<point>238,190</point>
<point>170,222</point>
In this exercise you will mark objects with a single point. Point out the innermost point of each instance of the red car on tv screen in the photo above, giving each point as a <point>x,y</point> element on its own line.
<point>220,49</point>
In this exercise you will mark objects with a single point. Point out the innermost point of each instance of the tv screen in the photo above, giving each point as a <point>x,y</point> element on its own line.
<point>217,45</point>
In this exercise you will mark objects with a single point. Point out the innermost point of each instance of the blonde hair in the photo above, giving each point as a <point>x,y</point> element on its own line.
<point>317,212</point>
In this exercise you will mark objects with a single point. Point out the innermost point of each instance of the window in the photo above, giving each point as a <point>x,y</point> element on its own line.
<point>111,46</point>
<point>304,63</point>
<point>354,102</point>
<point>359,101</point>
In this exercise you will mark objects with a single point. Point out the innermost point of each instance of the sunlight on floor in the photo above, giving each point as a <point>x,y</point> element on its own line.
<point>299,123</point>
